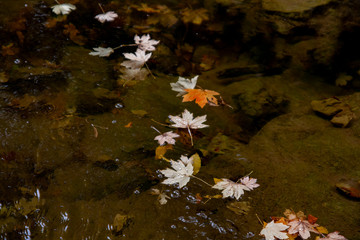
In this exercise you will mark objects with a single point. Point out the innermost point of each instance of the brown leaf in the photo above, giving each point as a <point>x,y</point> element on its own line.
<point>74,34</point>
<point>9,50</point>
<point>195,16</point>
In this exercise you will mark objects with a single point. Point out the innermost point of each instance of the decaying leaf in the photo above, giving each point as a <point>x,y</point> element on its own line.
<point>166,17</point>
<point>196,161</point>
<point>120,221</point>
<point>334,236</point>
<point>51,22</point>
<point>141,113</point>
<point>201,97</point>
<point>143,7</point>
<point>74,34</point>
<point>195,16</point>
<point>9,50</point>
<point>3,77</point>
<point>161,150</point>
<point>239,208</point>
<point>129,125</point>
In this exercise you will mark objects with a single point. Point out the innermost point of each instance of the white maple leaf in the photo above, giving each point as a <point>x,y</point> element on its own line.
<point>303,227</point>
<point>64,8</point>
<point>137,60</point>
<point>250,183</point>
<point>167,137</point>
<point>136,74</point>
<point>102,52</point>
<point>187,121</point>
<point>182,84</point>
<point>273,231</point>
<point>162,197</point>
<point>230,188</point>
<point>144,42</point>
<point>108,16</point>
<point>334,236</point>
<point>187,160</point>
<point>181,173</point>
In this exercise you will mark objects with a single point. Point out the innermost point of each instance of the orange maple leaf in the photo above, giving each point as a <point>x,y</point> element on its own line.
<point>201,97</point>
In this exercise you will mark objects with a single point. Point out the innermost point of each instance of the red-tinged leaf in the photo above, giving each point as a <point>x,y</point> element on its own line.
<point>201,97</point>
<point>312,219</point>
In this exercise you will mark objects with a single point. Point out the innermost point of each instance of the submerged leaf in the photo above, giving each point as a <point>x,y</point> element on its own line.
<point>195,16</point>
<point>161,150</point>
<point>196,162</point>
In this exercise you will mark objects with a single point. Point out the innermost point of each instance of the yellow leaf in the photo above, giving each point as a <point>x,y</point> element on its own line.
<point>129,125</point>
<point>141,113</point>
<point>216,180</point>
<point>161,150</point>
<point>195,16</point>
<point>196,163</point>
<point>322,230</point>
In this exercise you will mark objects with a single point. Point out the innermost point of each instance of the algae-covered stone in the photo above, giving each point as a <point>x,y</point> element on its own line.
<point>289,6</point>
<point>256,97</point>
<point>328,107</point>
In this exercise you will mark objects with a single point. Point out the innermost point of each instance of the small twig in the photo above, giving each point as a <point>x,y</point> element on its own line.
<point>201,180</point>
<point>101,8</point>
<point>164,158</point>
<point>57,2</point>
<point>160,123</point>
<point>244,176</point>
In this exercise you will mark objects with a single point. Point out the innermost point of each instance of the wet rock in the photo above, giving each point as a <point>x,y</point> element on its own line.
<point>289,6</point>
<point>327,107</point>
<point>256,97</point>
<point>331,107</point>
<point>349,187</point>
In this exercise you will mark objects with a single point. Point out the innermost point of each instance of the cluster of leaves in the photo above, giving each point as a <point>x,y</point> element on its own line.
<point>185,168</point>
<point>296,224</point>
<point>186,88</point>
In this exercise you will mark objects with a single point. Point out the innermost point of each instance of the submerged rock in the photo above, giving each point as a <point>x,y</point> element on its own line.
<point>289,6</point>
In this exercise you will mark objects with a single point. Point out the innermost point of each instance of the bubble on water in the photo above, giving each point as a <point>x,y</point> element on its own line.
<point>119,105</point>
<point>17,61</point>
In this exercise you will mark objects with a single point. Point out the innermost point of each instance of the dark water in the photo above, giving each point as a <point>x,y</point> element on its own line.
<point>70,165</point>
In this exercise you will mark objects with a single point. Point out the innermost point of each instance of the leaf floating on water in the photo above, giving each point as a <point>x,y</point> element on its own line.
<point>64,8</point>
<point>201,97</point>
<point>274,231</point>
<point>196,163</point>
<point>129,125</point>
<point>106,17</point>
<point>161,150</point>
<point>140,113</point>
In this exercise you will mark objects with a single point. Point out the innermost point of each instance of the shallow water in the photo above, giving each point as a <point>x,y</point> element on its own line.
<point>76,155</point>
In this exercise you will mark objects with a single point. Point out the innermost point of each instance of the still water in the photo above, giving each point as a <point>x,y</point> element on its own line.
<point>78,159</point>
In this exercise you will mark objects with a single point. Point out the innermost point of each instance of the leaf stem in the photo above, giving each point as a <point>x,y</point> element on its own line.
<point>155,129</point>
<point>150,70</point>
<point>262,224</point>
<point>125,45</point>
<point>57,2</point>
<point>101,8</point>
<point>201,180</point>
<point>192,142</point>
<point>159,123</point>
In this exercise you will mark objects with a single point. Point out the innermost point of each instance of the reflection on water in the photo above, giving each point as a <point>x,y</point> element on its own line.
<point>77,156</point>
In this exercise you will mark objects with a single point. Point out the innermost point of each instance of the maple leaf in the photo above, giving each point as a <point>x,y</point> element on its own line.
<point>201,97</point>
<point>106,17</point>
<point>195,16</point>
<point>64,8</point>
<point>102,52</point>
<point>167,137</point>
<point>303,227</point>
<point>182,84</point>
<point>166,17</point>
<point>134,74</point>
<point>187,121</point>
<point>73,33</point>
<point>9,50</point>
<point>144,43</point>
<point>137,60</point>
<point>162,197</point>
<point>230,188</point>
<point>250,183</point>
<point>334,236</point>
<point>273,231</point>
<point>181,173</point>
